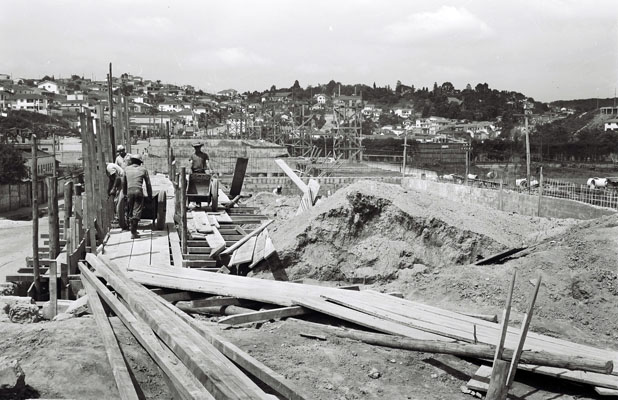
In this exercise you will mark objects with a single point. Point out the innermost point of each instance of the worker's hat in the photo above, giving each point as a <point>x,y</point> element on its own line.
<point>136,157</point>
<point>120,148</point>
<point>198,144</point>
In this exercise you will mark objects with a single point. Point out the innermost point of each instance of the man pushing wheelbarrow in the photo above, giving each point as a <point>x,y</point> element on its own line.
<point>201,187</point>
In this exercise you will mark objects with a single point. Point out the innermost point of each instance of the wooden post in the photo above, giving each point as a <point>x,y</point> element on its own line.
<point>89,173</point>
<point>169,150</point>
<point>110,100</point>
<point>54,169</point>
<point>52,206</point>
<point>183,209</point>
<point>127,125</point>
<point>538,214</point>
<point>53,288</point>
<point>505,320</point>
<point>498,389</point>
<point>68,207</point>
<point>523,332</point>
<point>405,152</point>
<point>72,244</point>
<point>35,217</point>
<point>500,197</point>
<point>528,178</point>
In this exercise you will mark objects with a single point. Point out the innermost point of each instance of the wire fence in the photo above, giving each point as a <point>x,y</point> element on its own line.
<point>602,197</point>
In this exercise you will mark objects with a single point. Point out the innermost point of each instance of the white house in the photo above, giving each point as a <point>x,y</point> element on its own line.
<point>611,124</point>
<point>51,86</point>
<point>168,106</point>
<point>231,93</point>
<point>29,102</point>
<point>404,112</point>
<point>320,98</point>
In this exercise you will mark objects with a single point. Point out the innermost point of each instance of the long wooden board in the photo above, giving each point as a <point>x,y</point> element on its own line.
<point>201,222</point>
<point>264,315</point>
<point>179,375</point>
<point>112,349</point>
<point>244,254</point>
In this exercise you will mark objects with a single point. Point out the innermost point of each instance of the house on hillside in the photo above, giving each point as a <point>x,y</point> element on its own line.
<point>320,98</point>
<point>611,124</point>
<point>231,93</point>
<point>404,112</point>
<point>45,161</point>
<point>347,101</point>
<point>51,86</point>
<point>29,102</point>
<point>279,97</point>
<point>168,106</point>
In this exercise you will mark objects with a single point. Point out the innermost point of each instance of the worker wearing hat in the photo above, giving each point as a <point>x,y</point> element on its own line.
<point>120,159</point>
<point>114,187</point>
<point>200,164</point>
<point>135,175</point>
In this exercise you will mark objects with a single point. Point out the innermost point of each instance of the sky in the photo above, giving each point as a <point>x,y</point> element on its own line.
<point>546,49</point>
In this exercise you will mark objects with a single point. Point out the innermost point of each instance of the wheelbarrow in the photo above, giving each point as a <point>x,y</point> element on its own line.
<point>154,209</point>
<point>203,187</point>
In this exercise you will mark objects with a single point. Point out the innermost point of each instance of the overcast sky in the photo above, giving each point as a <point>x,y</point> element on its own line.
<point>546,49</point>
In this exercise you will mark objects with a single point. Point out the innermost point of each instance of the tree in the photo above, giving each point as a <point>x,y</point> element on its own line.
<point>75,77</point>
<point>296,85</point>
<point>47,78</point>
<point>447,87</point>
<point>273,88</point>
<point>12,165</point>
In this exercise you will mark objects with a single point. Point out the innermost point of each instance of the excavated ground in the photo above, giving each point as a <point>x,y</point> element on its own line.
<point>375,232</point>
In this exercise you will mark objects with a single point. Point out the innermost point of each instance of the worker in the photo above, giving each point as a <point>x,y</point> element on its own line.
<point>135,175</point>
<point>114,186</point>
<point>122,154</point>
<point>277,190</point>
<point>200,164</point>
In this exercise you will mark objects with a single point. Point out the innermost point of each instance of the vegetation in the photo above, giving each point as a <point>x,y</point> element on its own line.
<point>12,165</point>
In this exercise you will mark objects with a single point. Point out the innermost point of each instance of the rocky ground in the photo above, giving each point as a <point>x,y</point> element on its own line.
<point>389,239</point>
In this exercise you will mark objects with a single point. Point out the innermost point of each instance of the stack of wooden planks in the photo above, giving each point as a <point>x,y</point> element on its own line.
<point>198,363</point>
<point>220,238</point>
<point>396,316</point>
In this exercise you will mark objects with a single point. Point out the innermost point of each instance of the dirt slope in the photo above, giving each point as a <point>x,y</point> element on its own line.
<point>372,231</point>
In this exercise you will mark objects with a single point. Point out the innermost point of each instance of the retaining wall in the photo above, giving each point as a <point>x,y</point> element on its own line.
<point>509,201</point>
<point>267,184</point>
<point>18,195</point>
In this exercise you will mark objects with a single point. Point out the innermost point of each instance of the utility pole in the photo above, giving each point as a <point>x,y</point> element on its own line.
<point>467,146</point>
<point>54,172</point>
<point>110,99</point>
<point>35,217</point>
<point>528,181</point>
<point>405,148</point>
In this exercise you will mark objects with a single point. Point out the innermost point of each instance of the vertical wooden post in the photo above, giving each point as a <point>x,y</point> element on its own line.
<point>89,172</point>
<point>54,169</point>
<point>110,99</point>
<point>119,122</point>
<point>183,209</point>
<point>52,207</point>
<point>538,214</point>
<point>68,207</point>
<point>127,125</point>
<point>498,389</point>
<point>72,244</point>
<point>169,151</point>
<point>500,197</point>
<point>405,154</point>
<point>35,217</point>
<point>53,288</point>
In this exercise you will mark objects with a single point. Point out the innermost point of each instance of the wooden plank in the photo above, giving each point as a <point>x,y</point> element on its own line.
<point>223,198</point>
<point>160,248</point>
<point>53,289</point>
<point>174,245</point>
<point>264,315</point>
<point>201,222</point>
<point>216,242</point>
<point>216,301</point>
<point>269,248</point>
<point>184,382</point>
<point>220,377</point>
<point>212,220</point>
<point>505,321</point>
<point>112,349</point>
<point>498,388</point>
<point>239,176</point>
<point>244,254</point>
<point>258,251</point>
<point>499,256</point>
<point>242,241</point>
<point>222,217</point>
<point>288,171</point>
<point>272,379</point>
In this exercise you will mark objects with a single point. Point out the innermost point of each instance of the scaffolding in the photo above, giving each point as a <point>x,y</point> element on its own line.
<point>347,130</point>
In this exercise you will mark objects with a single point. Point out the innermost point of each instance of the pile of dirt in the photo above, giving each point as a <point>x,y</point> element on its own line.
<point>377,232</point>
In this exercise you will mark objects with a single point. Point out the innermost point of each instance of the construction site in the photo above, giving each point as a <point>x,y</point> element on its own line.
<point>294,272</point>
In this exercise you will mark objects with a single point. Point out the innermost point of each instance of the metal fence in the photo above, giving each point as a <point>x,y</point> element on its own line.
<point>602,197</point>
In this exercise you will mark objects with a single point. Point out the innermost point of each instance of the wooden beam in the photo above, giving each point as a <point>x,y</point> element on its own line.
<point>233,202</point>
<point>288,171</point>
<point>239,176</point>
<point>244,254</point>
<point>242,241</point>
<point>505,320</point>
<point>216,301</point>
<point>264,315</point>
<point>183,209</point>
<point>35,215</point>
<point>219,375</point>
<point>187,385</point>
<point>498,390</point>
<point>52,209</point>
<point>494,258</point>
<point>523,332</point>
<point>112,349</point>
<point>53,289</point>
<point>272,379</point>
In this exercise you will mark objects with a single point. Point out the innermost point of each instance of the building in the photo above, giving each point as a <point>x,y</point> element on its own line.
<point>404,112</point>
<point>169,106</point>
<point>609,110</point>
<point>29,102</point>
<point>51,86</point>
<point>231,93</point>
<point>347,101</point>
<point>611,124</point>
<point>45,161</point>
<point>320,98</point>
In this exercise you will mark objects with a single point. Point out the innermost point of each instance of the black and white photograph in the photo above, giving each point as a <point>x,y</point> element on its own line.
<point>308,200</point>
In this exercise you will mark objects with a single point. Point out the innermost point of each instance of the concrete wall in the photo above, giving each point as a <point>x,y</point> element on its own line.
<point>410,171</point>
<point>18,195</point>
<point>267,184</point>
<point>510,201</point>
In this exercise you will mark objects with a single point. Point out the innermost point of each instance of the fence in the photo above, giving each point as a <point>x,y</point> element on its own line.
<point>602,197</point>
<point>17,195</point>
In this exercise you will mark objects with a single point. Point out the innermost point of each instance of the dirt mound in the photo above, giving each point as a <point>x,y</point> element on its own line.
<point>372,231</point>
